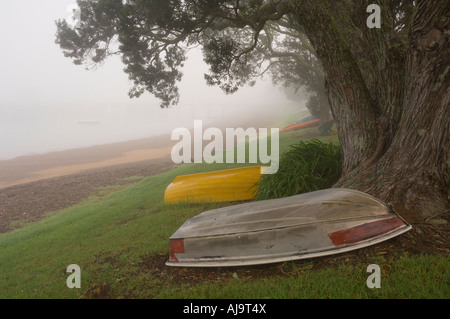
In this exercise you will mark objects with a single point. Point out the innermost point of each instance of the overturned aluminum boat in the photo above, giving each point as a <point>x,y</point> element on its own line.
<point>304,226</point>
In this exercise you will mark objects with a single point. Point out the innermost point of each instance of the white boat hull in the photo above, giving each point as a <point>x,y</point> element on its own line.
<point>303,226</point>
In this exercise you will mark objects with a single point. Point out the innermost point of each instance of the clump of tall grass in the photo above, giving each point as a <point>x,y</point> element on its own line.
<point>305,167</point>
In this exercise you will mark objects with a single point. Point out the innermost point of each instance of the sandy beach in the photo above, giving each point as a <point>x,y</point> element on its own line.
<point>31,186</point>
<point>31,168</point>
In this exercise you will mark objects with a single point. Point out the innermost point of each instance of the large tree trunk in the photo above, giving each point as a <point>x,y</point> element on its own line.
<point>390,99</point>
<point>415,171</point>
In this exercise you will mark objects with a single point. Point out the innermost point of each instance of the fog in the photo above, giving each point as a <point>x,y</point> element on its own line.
<point>47,103</point>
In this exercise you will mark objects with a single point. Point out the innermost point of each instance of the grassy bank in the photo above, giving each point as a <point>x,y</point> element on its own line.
<point>119,238</point>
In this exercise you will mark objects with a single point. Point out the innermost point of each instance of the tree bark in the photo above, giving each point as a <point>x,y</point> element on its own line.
<point>390,100</point>
<point>415,171</point>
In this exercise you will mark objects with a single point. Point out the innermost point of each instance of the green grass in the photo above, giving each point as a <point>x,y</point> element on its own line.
<point>399,279</point>
<point>113,233</point>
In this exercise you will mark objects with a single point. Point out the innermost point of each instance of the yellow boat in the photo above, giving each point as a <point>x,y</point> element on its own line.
<point>219,186</point>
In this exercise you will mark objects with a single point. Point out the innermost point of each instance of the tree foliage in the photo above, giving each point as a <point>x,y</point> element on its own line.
<point>153,37</point>
<point>241,40</point>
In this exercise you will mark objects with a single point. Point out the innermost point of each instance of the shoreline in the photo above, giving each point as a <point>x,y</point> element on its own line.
<point>34,185</point>
<point>31,168</point>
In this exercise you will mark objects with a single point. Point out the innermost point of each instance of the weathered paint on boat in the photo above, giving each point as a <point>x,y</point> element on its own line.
<point>220,186</point>
<point>303,226</point>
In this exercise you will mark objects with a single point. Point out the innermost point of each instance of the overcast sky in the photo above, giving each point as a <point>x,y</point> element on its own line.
<point>45,100</point>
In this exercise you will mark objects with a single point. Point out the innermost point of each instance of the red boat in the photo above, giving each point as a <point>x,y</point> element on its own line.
<point>297,126</point>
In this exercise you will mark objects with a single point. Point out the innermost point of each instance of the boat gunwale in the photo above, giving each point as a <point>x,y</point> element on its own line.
<point>233,261</point>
